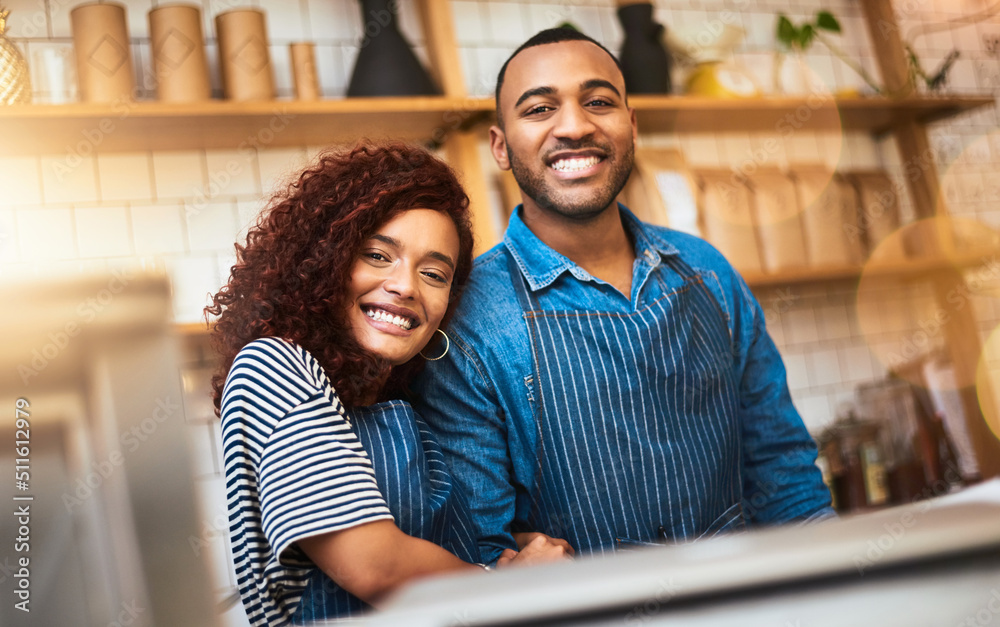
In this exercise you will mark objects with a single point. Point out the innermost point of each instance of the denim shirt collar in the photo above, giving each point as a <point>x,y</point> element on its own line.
<point>541,265</point>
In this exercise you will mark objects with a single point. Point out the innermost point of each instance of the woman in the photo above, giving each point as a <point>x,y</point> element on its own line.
<point>337,492</point>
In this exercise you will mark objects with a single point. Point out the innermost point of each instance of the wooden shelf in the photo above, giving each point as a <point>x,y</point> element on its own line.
<point>896,270</point>
<point>785,115</point>
<point>806,274</point>
<point>82,129</point>
<point>85,128</point>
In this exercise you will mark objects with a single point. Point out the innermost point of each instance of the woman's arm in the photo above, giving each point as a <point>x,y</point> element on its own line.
<point>372,560</point>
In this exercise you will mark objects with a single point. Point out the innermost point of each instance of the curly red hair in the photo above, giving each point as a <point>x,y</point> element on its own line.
<point>290,279</point>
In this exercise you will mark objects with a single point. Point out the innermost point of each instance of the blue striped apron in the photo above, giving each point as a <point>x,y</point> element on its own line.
<point>417,486</point>
<point>637,418</point>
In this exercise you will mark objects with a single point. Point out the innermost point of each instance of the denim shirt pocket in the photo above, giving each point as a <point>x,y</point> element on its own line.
<point>627,544</point>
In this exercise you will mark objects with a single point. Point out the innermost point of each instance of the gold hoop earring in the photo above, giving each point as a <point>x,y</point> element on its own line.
<point>447,345</point>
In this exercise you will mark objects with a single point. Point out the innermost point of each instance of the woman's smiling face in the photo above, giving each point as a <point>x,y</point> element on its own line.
<point>401,283</point>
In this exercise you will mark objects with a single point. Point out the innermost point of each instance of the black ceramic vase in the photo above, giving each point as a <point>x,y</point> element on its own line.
<point>386,65</point>
<point>645,61</point>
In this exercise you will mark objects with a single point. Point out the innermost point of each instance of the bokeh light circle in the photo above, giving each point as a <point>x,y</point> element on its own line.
<point>917,293</point>
<point>988,382</point>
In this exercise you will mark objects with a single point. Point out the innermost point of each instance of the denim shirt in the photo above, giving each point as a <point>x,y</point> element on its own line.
<point>479,398</point>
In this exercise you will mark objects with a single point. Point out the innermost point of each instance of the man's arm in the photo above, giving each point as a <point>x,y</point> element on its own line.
<point>457,399</point>
<point>781,482</point>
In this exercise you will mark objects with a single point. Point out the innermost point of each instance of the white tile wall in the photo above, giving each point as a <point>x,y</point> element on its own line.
<point>103,231</point>
<point>278,165</point>
<point>232,173</point>
<point>824,367</point>
<point>179,174</point>
<point>125,176</point>
<point>46,234</point>
<point>182,210</point>
<point>8,232</point>
<point>800,326</point>
<point>212,228</point>
<point>20,180</point>
<point>69,178</point>
<point>158,229</point>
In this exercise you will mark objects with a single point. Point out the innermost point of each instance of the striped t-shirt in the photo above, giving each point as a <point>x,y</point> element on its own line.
<point>294,469</point>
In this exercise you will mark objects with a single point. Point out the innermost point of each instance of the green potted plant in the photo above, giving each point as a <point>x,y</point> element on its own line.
<point>795,40</point>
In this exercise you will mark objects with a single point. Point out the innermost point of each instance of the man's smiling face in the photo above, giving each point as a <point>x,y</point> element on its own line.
<point>568,135</point>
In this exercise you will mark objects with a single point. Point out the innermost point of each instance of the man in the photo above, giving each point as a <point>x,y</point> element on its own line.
<point>609,382</point>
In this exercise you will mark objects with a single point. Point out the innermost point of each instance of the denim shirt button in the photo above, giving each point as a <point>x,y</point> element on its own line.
<point>651,257</point>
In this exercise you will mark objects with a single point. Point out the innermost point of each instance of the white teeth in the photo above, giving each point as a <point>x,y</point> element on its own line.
<point>385,316</point>
<point>574,164</point>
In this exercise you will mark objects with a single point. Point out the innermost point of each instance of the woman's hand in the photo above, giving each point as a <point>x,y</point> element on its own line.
<point>540,549</point>
<point>523,538</point>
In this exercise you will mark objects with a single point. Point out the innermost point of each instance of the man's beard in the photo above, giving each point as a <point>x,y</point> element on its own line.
<point>533,185</point>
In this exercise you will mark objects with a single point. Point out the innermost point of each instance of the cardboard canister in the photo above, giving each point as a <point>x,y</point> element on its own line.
<point>103,53</point>
<point>779,222</point>
<point>829,217</point>
<point>303,56</point>
<point>728,221</point>
<point>243,55</point>
<point>179,61</point>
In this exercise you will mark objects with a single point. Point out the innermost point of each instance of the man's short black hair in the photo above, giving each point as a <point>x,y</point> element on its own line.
<point>547,36</point>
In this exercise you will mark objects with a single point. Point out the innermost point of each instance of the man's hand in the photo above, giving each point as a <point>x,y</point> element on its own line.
<point>538,549</point>
<point>523,538</point>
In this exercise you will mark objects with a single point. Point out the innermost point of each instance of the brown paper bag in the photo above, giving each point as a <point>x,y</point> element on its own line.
<point>779,223</point>
<point>879,211</point>
<point>670,190</point>
<point>829,208</point>
<point>727,217</point>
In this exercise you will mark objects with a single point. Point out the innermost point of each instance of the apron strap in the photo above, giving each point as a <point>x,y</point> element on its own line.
<point>688,274</point>
<point>526,299</point>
